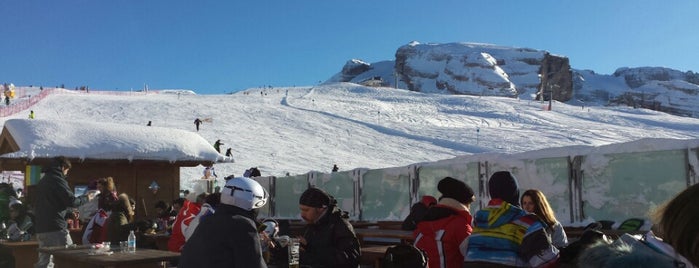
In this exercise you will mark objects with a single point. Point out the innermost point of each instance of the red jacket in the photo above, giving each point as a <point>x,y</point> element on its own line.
<point>187,213</point>
<point>442,234</point>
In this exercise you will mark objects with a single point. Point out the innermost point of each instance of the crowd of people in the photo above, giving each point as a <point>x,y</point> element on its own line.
<point>222,229</point>
<point>514,231</point>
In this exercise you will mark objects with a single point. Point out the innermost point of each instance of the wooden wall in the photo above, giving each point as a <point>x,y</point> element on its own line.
<point>133,179</point>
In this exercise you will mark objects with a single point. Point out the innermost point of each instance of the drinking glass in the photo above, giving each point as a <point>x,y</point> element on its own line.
<point>124,246</point>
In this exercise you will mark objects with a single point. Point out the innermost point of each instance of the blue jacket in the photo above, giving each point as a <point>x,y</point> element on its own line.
<point>506,236</point>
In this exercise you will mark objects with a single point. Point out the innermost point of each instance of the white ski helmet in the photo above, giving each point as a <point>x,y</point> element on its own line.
<point>244,193</point>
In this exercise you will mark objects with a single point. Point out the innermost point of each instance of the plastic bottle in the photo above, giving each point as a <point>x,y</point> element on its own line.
<point>3,231</point>
<point>131,242</point>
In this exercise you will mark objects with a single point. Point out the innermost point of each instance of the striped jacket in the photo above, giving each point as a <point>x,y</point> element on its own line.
<point>506,236</point>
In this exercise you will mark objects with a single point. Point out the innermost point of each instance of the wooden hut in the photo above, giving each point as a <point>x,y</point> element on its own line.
<point>137,157</point>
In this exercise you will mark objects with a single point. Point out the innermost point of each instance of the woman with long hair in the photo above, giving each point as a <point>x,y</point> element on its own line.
<point>108,193</point>
<point>534,201</point>
<point>95,229</point>
<point>678,223</point>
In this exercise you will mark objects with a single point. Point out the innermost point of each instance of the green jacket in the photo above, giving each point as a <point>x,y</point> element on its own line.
<point>118,227</point>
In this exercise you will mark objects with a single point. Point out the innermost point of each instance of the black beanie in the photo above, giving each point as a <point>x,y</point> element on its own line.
<point>503,185</point>
<point>315,197</point>
<point>456,189</point>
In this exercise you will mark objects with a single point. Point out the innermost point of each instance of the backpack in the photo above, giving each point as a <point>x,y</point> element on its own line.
<point>404,255</point>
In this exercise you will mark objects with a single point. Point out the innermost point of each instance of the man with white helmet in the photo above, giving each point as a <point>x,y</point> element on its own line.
<point>229,238</point>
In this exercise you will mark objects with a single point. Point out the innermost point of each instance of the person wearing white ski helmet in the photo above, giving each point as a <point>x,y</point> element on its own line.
<point>229,238</point>
<point>244,193</point>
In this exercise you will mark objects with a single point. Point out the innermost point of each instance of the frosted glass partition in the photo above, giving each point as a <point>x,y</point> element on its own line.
<point>472,176</point>
<point>549,175</point>
<point>553,177</point>
<point>609,186</point>
<point>287,193</point>
<point>341,186</point>
<point>621,186</point>
<point>431,175</point>
<point>385,194</point>
<point>266,211</point>
<point>518,168</point>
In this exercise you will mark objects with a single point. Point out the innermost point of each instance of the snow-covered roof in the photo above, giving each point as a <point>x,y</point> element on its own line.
<point>36,138</point>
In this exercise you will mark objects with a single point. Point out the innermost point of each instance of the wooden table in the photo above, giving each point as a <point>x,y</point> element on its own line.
<point>160,240</point>
<point>79,258</point>
<point>401,235</point>
<point>24,252</point>
<point>373,254</point>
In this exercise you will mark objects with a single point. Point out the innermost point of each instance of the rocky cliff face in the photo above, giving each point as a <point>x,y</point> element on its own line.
<point>468,68</point>
<point>655,88</point>
<point>480,69</point>
<point>491,70</point>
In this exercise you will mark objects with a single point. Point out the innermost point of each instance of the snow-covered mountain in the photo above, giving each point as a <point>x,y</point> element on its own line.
<point>491,70</point>
<point>655,88</point>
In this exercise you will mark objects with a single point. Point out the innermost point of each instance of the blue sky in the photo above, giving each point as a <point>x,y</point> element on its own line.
<point>217,47</point>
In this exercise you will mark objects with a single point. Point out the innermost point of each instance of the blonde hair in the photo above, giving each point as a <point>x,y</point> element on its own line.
<point>678,223</point>
<point>107,183</point>
<point>541,206</point>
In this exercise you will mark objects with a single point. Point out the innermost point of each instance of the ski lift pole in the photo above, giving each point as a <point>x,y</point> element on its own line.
<point>478,131</point>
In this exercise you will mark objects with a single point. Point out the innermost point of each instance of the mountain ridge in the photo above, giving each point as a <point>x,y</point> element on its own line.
<point>525,73</point>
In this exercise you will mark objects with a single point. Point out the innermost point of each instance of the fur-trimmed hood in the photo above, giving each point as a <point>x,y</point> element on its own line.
<point>633,251</point>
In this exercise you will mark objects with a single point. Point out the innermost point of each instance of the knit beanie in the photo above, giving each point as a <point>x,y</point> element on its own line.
<point>503,185</point>
<point>315,197</point>
<point>456,189</point>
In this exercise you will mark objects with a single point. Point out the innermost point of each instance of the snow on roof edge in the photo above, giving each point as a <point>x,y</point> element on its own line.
<point>103,141</point>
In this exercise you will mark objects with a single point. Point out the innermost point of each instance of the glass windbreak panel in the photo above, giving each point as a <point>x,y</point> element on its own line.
<point>266,211</point>
<point>548,175</point>
<point>621,186</point>
<point>472,176</point>
<point>287,193</point>
<point>341,186</point>
<point>385,194</point>
<point>430,175</point>
<point>511,165</point>
<point>551,177</point>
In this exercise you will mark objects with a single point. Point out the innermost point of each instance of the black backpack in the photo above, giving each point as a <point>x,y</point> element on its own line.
<point>404,255</point>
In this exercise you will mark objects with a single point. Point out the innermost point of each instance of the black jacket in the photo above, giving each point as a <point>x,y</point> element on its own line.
<point>53,198</point>
<point>417,212</point>
<point>229,238</point>
<point>331,242</point>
